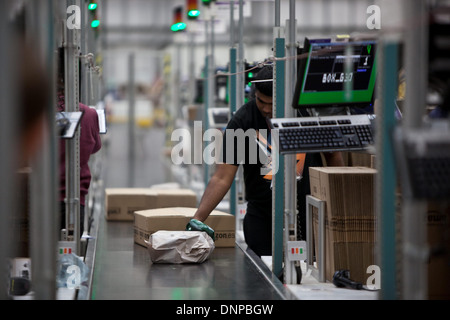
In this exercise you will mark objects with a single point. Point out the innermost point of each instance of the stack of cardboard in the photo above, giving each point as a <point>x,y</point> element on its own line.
<point>147,222</point>
<point>360,159</point>
<point>350,221</point>
<point>121,203</point>
<point>438,230</point>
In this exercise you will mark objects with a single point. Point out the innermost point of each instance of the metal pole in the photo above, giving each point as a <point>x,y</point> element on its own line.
<point>290,160</point>
<point>278,160</point>
<point>72,145</point>
<point>232,31</point>
<point>177,81</point>
<point>8,147</point>
<point>191,47</point>
<point>206,94</point>
<point>84,50</point>
<point>240,94</point>
<point>232,99</point>
<point>241,77</point>
<point>414,211</point>
<point>191,68</point>
<point>211,85</point>
<point>131,121</point>
<point>212,64</point>
<point>416,58</point>
<point>44,178</point>
<point>277,13</point>
<point>386,177</point>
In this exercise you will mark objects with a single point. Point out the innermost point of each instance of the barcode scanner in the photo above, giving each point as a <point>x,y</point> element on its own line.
<point>341,279</point>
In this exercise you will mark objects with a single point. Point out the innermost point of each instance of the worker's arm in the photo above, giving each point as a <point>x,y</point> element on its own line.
<point>216,189</point>
<point>334,159</point>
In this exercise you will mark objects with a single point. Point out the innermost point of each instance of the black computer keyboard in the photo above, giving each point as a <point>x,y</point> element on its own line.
<point>322,134</point>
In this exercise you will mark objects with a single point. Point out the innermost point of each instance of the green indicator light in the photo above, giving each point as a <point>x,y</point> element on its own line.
<point>95,23</point>
<point>194,13</point>
<point>250,74</point>
<point>369,47</point>
<point>301,250</point>
<point>92,6</point>
<point>178,26</point>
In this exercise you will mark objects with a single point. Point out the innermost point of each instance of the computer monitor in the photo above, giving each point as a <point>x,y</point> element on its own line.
<point>439,60</point>
<point>218,117</point>
<point>303,52</point>
<point>336,74</point>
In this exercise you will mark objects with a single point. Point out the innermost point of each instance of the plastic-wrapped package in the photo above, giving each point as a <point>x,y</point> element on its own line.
<point>180,246</point>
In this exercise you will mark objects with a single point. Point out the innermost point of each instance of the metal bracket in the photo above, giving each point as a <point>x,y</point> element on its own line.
<point>318,273</point>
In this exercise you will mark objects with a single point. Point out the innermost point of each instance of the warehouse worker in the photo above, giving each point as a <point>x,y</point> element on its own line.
<point>90,143</point>
<point>258,192</point>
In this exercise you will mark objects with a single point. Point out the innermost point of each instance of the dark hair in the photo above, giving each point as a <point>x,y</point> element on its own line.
<point>266,87</point>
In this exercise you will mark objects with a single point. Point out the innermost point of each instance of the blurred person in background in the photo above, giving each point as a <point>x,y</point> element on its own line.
<point>90,143</point>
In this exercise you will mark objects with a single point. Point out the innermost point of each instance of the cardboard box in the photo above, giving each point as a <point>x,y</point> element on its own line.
<point>147,222</point>
<point>438,229</point>
<point>121,203</point>
<point>353,250</point>
<point>20,221</point>
<point>348,191</point>
<point>175,198</point>
<point>372,161</point>
<point>350,221</point>
<point>360,159</point>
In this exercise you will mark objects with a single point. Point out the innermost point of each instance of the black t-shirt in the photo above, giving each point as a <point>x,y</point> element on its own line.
<point>257,181</point>
<point>248,152</point>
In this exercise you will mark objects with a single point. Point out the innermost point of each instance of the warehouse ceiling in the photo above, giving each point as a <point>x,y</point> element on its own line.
<point>146,23</point>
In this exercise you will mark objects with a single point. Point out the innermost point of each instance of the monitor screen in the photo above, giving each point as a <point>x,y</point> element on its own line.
<point>336,74</point>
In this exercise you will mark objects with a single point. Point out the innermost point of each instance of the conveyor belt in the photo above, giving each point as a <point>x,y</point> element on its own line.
<point>123,270</point>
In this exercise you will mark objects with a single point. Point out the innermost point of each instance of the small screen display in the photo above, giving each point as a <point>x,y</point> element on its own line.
<point>337,74</point>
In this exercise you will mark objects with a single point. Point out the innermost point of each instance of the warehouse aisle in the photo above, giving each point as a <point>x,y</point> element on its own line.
<point>123,269</point>
<point>148,167</point>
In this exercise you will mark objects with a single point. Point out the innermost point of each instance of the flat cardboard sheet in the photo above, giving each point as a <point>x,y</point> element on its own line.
<point>350,219</point>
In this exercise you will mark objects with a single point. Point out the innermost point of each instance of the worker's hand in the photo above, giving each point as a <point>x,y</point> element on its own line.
<point>196,225</point>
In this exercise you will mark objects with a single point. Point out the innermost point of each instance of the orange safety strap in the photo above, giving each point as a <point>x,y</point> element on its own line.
<point>300,159</point>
